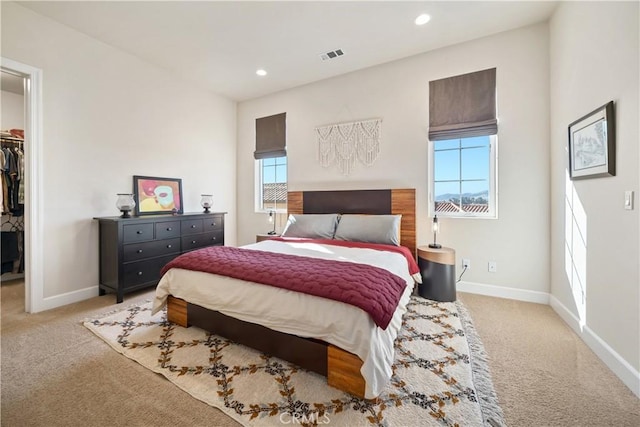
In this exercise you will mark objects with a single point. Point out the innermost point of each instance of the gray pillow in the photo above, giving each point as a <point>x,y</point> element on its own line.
<point>312,226</point>
<point>369,229</point>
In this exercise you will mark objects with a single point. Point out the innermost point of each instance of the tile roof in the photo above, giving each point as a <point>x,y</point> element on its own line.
<point>452,207</point>
<point>274,192</point>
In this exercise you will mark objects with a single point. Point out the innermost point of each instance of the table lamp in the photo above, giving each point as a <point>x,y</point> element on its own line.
<point>206,202</point>
<point>272,219</point>
<point>125,204</point>
<point>435,226</point>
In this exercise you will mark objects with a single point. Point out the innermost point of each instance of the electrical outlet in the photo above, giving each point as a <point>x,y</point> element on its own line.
<point>466,262</point>
<point>492,266</point>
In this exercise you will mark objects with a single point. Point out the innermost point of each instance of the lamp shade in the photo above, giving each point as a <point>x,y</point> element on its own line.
<point>272,220</point>
<point>435,227</point>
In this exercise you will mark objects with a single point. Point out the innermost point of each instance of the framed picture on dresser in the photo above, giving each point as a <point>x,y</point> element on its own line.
<point>155,195</point>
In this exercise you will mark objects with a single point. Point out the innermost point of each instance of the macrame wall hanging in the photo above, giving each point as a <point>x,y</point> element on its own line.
<point>341,144</point>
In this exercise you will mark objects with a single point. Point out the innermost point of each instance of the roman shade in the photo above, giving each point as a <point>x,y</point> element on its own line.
<point>463,106</point>
<point>271,137</point>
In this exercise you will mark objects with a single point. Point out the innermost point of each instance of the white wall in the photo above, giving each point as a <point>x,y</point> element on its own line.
<point>397,92</point>
<point>594,59</point>
<point>109,116</point>
<point>12,113</point>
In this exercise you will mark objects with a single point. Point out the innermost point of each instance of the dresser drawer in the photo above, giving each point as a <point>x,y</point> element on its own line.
<point>213,224</point>
<point>214,238</point>
<point>192,226</point>
<point>167,230</point>
<point>190,243</point>
<point>137,273</point>
<point>137,232</point>
<point>138,251</point>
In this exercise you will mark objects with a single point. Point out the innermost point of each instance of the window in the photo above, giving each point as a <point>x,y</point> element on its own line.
<point>271,162</point>
<point>463,145</point>
<point>463,177</point>
<point>272,183</point>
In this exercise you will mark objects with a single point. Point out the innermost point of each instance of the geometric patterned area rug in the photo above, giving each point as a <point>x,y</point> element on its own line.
<point>440,375</point>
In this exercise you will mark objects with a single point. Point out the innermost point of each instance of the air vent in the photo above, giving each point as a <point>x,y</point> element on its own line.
<point>331,55</point>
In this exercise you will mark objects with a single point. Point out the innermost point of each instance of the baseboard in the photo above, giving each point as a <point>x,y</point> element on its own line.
<point>623,370</point>
<point>503,292</point>
<point>67,298</point>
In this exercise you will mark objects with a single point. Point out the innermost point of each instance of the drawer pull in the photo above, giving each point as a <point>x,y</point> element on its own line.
<point>138,232</point>
<point>213,224</point>
<point>139,273</point>
<point>193,226</point>
<point>213,238</point>
<point>193,241</point>
<point>168,228</point>
<point>139,251</point>
<point>169,246</point>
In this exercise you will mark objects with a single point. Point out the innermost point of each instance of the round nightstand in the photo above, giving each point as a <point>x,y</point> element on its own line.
<point>437,268</point>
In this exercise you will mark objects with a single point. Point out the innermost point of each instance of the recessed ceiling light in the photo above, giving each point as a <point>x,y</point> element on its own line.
<point>261,72</point>
<point>423,19</point>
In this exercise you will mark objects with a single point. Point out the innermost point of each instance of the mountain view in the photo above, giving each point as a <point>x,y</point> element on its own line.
<point>467,198</point>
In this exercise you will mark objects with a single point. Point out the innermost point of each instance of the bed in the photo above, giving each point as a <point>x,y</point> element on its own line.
<point>356,359</point>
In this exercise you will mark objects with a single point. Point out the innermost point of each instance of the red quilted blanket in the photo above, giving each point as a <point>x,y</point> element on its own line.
<point>373,289</point>
<point>405,252</point>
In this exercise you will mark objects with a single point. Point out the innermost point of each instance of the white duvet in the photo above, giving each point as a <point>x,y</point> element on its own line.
<point>341,324</point>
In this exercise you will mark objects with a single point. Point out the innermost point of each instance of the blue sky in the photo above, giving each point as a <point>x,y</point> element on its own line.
<point>466,159</point>
<point>274,170</point>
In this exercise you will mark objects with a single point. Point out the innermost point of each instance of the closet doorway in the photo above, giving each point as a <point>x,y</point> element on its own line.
<point>30,263</point>
<point>12,200</point>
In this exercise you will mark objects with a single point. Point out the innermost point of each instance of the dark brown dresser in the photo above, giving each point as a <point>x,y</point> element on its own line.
<point>134,250</point>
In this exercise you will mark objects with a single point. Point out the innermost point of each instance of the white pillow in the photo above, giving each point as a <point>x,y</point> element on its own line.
<point>369,229</point>
<point>312,226</point>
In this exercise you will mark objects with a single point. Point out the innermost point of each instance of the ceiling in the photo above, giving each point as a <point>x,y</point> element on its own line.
<point>220,45</point>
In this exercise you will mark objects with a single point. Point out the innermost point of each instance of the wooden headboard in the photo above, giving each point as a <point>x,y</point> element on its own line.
<point>373,202</point>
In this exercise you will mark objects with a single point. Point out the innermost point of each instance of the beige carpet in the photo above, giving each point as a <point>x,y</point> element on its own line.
<point>439,375</point>
<point>56,373</point>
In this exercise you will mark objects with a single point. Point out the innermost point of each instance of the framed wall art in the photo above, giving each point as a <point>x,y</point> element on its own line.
<point>154,195</point>
<point>592,144</point>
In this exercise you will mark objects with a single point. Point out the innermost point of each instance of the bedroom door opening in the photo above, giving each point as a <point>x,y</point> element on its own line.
<point>31,188</point>
<point>13,171</point>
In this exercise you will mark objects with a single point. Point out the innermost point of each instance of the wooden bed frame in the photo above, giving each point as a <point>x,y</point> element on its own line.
<point>341,367</point>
